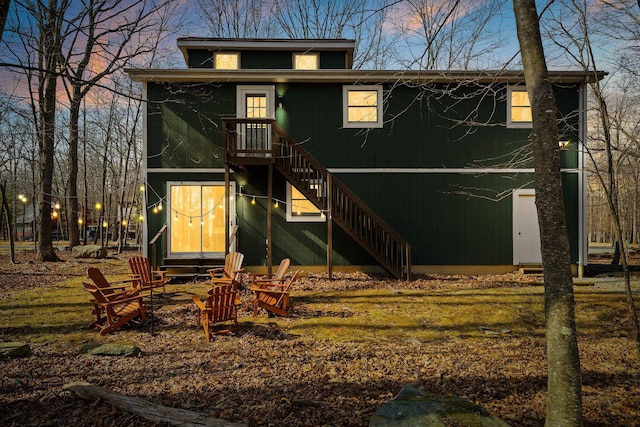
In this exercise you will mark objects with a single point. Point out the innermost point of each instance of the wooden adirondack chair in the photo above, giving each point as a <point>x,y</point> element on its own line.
<point>110,288</point>
<point>116,310</point>
<point>232,270</point>
<point>146,279</point>
<point>220,306</point>
<point>267,281</point>
<point>275,299</point>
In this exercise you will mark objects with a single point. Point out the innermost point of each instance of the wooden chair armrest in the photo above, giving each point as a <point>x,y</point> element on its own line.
<point>268,291</point>
<point>215,270</point>
<point>114,288</point>
<point>120,300</point>
<point>132,279</point>
<point>160,273</point>
<point>196,299</point>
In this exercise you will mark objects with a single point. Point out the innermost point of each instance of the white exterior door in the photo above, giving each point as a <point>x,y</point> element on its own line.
<point>526,232</point>
<point>255,102</point>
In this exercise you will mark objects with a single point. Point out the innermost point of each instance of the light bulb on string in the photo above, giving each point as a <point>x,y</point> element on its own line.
<point>160,206</point>
<point>155,209</point>
<point>253,201</point>
<point>276,205</point>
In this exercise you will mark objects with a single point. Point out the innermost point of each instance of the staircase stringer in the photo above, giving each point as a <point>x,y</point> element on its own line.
<point>362,224</point>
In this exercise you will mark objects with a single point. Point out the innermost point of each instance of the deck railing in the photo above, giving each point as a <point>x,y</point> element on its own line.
<point>325,191</point>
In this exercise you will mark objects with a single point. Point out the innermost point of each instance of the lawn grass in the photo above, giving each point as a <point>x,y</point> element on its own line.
<point>349,344</point>
<point>59,314</point>
<point>371,315</point>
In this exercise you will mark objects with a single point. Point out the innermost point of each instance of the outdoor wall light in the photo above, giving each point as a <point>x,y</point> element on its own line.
<point>280,101</point>
<point>564,143</point>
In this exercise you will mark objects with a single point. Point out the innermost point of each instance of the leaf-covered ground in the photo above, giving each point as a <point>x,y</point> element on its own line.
<point>347,349</point>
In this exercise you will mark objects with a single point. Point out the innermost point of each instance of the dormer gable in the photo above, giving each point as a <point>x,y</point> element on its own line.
<point>256,54</point>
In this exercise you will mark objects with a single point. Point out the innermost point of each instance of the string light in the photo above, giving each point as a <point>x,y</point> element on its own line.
<point>295,208</point>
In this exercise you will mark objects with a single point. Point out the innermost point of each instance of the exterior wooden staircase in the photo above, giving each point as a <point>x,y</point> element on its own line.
<point>262,141</point>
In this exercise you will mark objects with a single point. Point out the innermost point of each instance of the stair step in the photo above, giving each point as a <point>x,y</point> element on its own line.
<point>531,269</point>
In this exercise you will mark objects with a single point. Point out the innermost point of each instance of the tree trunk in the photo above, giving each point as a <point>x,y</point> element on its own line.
<point>72,184</point>
<point>49,40</point>
<point>150,411</point>
<point>564,399</point>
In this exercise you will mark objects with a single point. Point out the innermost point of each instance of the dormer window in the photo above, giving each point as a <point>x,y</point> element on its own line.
<point>305,61</point>
<point>226,61</point>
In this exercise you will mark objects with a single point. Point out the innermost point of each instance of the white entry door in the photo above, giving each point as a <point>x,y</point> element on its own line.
<point>255,102</point>
<point>526,232</point>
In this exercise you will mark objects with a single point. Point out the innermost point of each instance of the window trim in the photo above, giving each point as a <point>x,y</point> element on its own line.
<point>291,217</point>
<point>215,62</point>
<point>345,107</point>
<point>316,54</point>
<point>510,122</point>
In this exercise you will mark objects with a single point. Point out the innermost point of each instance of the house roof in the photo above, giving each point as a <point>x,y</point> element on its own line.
<point>236,44</point>
<point>351,76</point>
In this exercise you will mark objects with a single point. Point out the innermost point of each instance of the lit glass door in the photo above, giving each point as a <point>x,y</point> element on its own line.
<point>196,226</point>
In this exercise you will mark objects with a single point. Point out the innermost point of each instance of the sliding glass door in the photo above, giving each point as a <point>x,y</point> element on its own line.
<point>196,223</point>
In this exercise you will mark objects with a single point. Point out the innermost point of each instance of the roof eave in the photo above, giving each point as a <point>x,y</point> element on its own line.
<point>363,76</point>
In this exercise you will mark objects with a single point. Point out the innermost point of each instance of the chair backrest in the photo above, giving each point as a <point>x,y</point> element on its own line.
<point>95,292</point>
<point>287,287</point>
<point>100,281</point>
<point>282,270</point>
<point>140,266</point>
<point>232,264</point>
<point>222,301</point>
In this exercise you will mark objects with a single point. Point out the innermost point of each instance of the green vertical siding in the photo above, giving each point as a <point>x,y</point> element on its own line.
<point>183,124</point>
<point>448,217</point>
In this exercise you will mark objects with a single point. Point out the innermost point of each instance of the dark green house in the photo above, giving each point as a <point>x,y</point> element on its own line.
<point>278,148</point>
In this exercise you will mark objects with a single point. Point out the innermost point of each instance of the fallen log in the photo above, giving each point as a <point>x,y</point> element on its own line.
<point>145,409</point>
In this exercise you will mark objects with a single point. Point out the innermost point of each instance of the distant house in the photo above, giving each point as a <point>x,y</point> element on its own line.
<point>403,171</point>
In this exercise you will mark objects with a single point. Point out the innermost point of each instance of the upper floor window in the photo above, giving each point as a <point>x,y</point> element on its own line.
<point>226,61</point>
<point>518,107</point>
<point>305,61</point>
<point>362,106</point>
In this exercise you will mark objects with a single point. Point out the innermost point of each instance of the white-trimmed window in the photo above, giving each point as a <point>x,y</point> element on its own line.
<point>306,61</point>
<point>300,209</point>
<point>362,106</point>
<point>518,108</point>
<point>226,60</point>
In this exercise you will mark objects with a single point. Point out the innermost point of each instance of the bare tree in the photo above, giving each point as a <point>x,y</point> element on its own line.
<point>564,399</point>
<point>238,18</point>
<point>104,44</point>
<point>445,35</point>
<point>4,11</point>
<point>575,28</point>
<point>362,20</point>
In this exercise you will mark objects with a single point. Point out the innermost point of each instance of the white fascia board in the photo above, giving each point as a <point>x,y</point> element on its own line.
<point>258,44</point>
<point>353,76</point>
